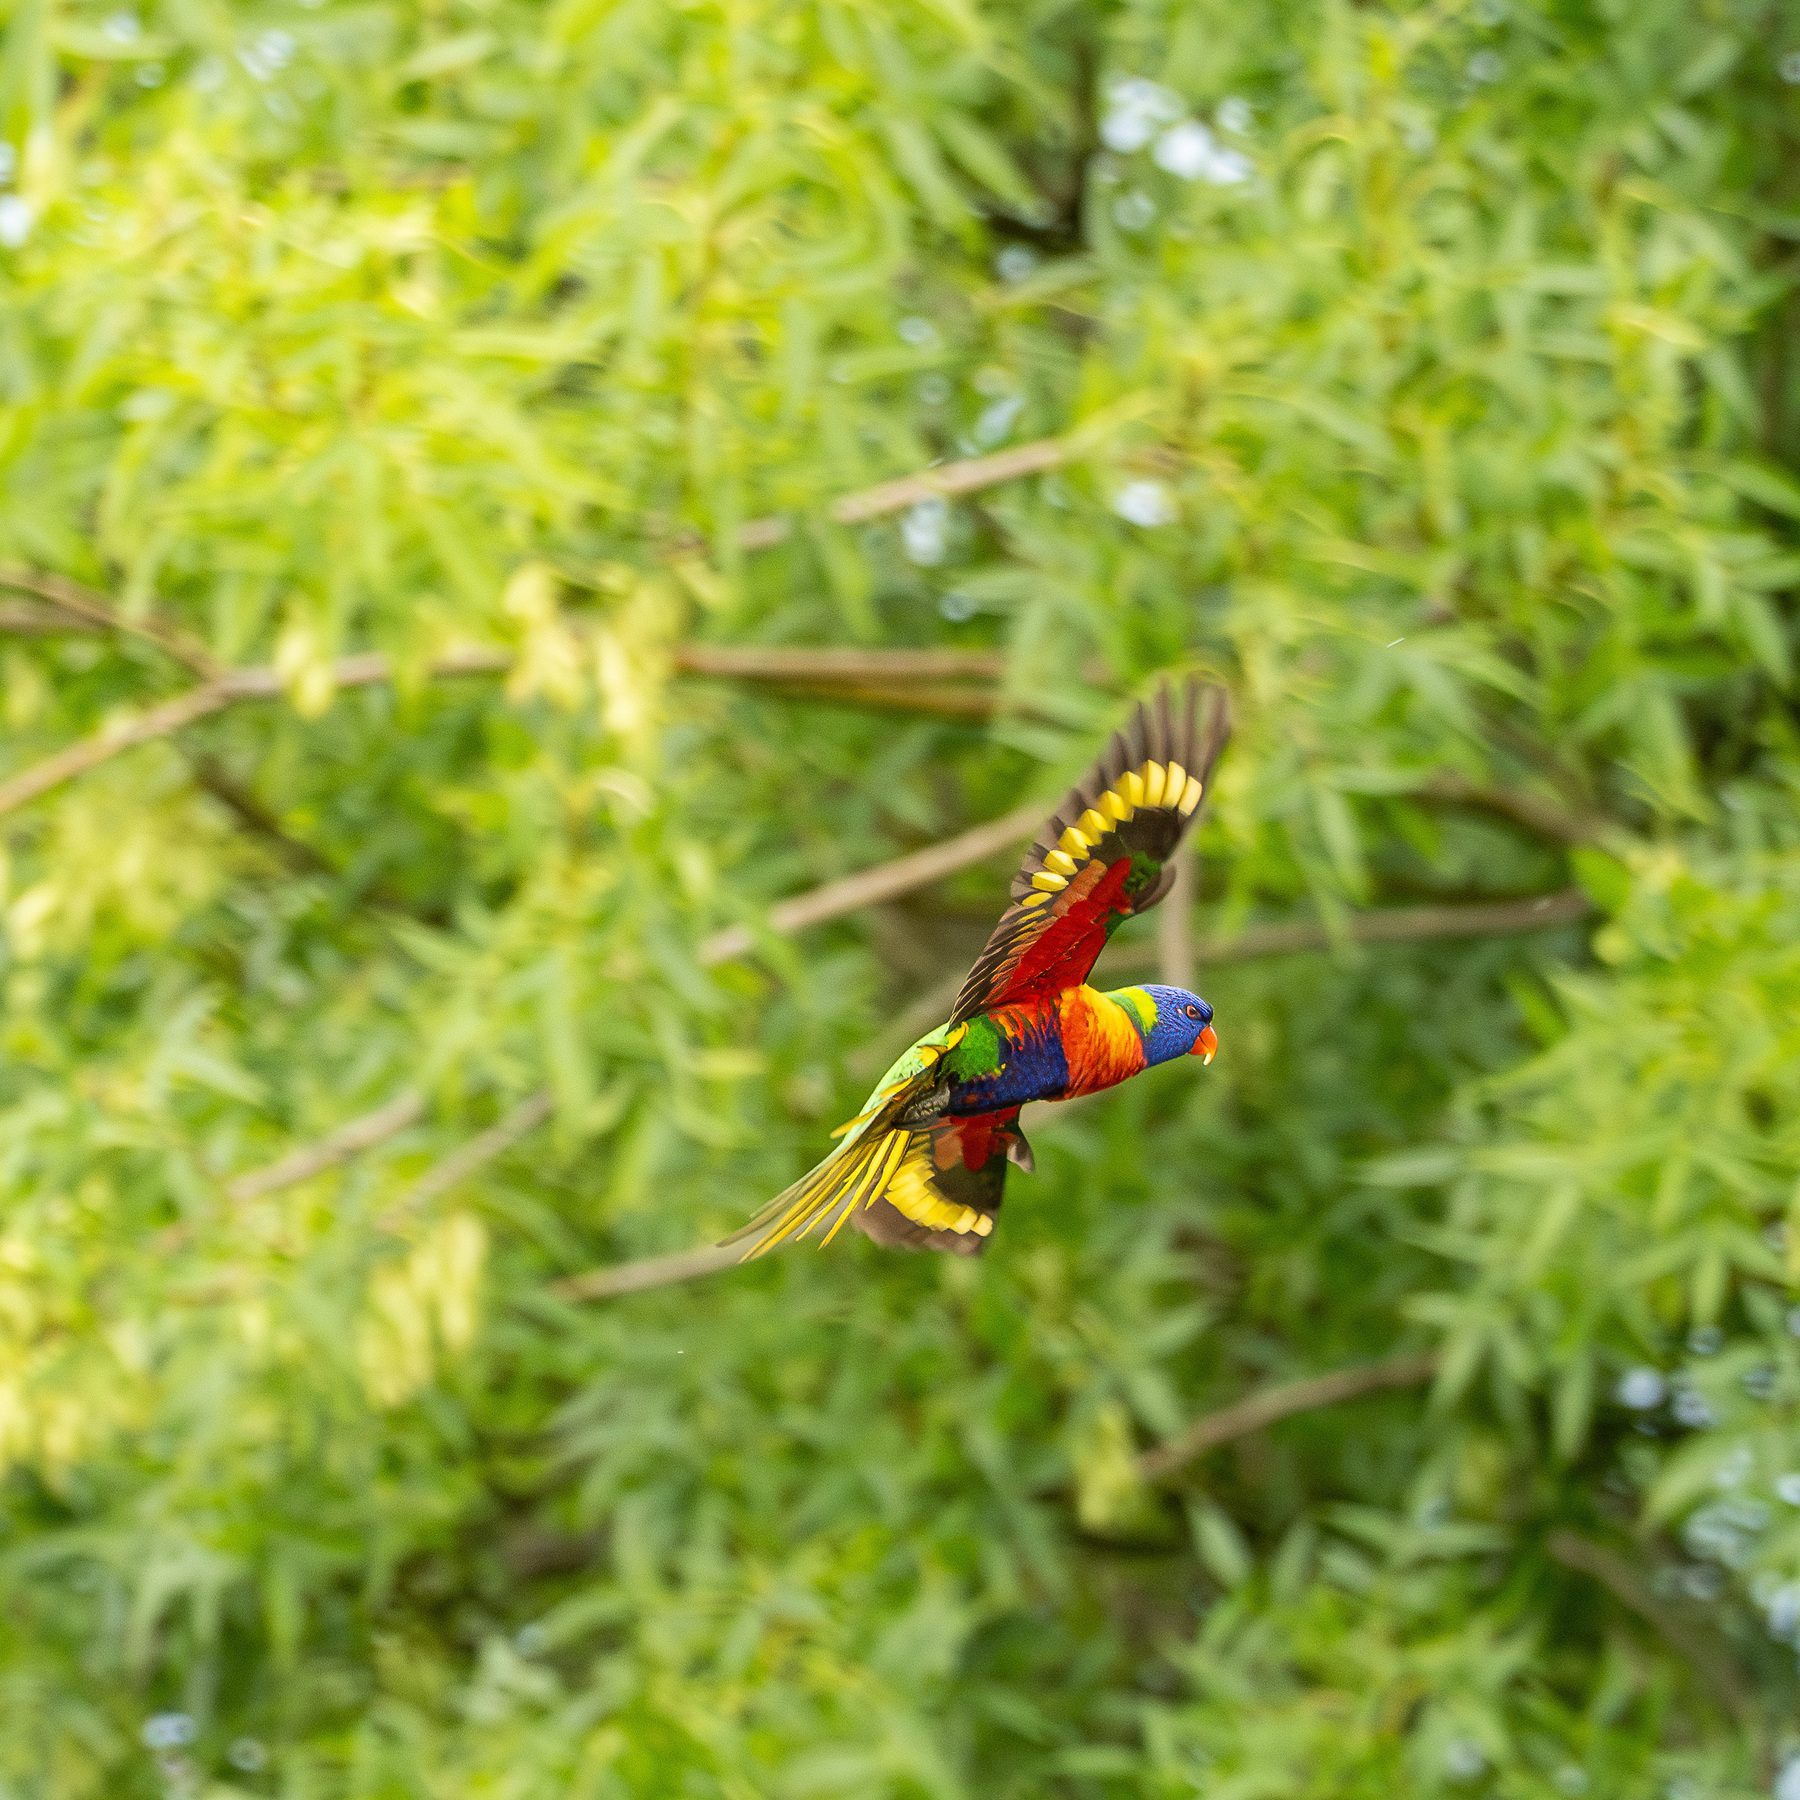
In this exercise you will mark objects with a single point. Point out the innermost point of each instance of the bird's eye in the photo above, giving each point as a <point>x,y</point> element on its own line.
<point>1193,1012</point>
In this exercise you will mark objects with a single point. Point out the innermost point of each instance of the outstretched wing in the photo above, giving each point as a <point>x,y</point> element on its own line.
<point>1104,853</point>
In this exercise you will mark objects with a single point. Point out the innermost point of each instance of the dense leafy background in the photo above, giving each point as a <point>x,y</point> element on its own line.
<point>1439,401</point>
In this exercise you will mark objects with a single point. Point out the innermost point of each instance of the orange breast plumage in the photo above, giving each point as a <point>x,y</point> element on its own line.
<point>1103,1043</point>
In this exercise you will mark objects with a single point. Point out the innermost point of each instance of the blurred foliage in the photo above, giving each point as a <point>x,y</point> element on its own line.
<point>1429,375</point>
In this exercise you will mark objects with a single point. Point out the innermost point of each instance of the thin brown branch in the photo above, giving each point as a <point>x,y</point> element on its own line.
<point>530,1554</point>
<point>94,609</point>
<point>249,811</point>
<point>1536,812</point>
<point>372,669</point>
<point>27,620</point>
<point>479,1151</point>
<point>755,662</point>
<point>110,741</point>
<point>1281,1402</point>
<point>1710,1658</point>
<point>945,699</point>
<point>1398,925</point>
<point>1175,952</point>
<point>120,735</point>
<point>405,1109</point>
<point>350,1140</point>
<point>883,882</point>
<point>947,480</point>
<point>648,1272</point>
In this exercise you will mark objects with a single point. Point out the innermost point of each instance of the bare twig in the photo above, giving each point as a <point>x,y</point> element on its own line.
<point>1175,924</point>
<point>531,1553</point>
<point>198,703</point>
<point>1535,812</point>
<point>249,811</point>
<point>756,662</point>
<point>1281,1402</point>
<point>881,883</point>
<point>95,609</point>
<point>947,479</point>
<point>109,742</point>
<point>1709,1656</point>
<point>480,1150</point>
<point>27,620</point>
<point>1399,925</point>
<point>372,669</point>
<point>948,700</point>
<point>387,1121</point>
<point>648,1272</point>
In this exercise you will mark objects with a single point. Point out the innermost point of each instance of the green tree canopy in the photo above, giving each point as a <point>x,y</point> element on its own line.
<point>430,434</point>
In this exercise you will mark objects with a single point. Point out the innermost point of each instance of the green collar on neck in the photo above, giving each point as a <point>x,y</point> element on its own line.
<point>1137,1004</point>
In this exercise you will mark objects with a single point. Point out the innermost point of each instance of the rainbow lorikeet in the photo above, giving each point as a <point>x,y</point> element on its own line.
<point>923,1164</point>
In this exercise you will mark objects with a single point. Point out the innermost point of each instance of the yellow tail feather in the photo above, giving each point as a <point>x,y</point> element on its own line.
<point>851,1176</point>
<point>894,1166</point>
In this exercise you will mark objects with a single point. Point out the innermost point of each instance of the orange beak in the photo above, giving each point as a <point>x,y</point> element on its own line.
<point>1206,1044</point>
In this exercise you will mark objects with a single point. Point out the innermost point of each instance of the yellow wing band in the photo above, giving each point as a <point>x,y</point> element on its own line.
<point>910,1193</point>
<point>1155,784</point>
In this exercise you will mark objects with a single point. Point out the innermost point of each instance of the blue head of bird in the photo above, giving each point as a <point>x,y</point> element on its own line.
<point>1182,1026</point>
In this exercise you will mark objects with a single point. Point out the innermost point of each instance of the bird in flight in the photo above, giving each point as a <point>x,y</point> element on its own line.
<point>924,1162</point>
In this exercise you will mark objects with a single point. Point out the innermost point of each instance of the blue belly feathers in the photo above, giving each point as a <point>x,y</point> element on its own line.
<point>1033,1067</point>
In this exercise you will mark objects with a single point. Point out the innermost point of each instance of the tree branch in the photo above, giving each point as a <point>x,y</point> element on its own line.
<point>756,662</point>
<point>462,1162</point>
<point>883,882</point>
<point>27,620</point>
<point>110,741</point>
<point>947,700</point>
<point>1535,812</point>
<point>405,1109</point>
<point>371,669</point>
<point>946,480</point>
<point>94,609</point>
<point>648,1272</point>
<point>212,775</point>
<point>197,703</point>
<point>1398,925</point>
<point>1710,1658</point>
<point>1175,951</point>
<point>1281,1402</point>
